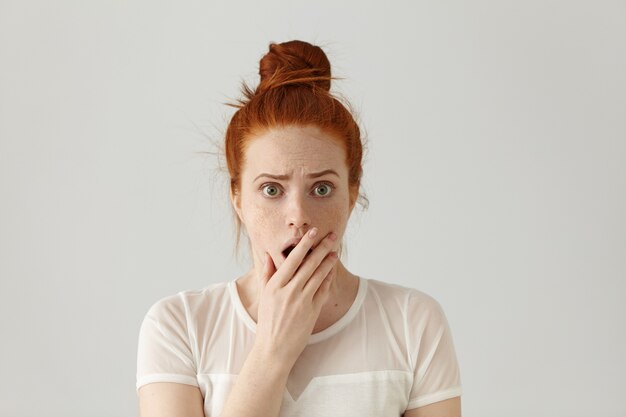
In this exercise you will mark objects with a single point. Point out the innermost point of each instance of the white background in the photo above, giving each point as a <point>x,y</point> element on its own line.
<point>496,173</point>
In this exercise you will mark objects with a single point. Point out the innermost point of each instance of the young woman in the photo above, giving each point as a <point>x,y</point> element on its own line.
<point>298,334</point>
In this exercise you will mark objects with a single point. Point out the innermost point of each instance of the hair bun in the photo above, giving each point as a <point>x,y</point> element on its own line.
<point>294,62</point>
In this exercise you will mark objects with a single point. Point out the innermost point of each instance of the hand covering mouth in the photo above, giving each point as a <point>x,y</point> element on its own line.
<point>287,251</point>
<point>291,245</point>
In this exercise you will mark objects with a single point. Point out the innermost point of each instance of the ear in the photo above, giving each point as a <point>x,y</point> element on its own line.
<point>235,199</point>
<point>353,198</point>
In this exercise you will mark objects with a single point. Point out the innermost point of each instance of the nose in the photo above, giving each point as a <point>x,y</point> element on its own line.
<point>298,215</point>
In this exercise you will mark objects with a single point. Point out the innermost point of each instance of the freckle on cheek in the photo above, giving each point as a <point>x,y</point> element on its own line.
<point>262,224</point>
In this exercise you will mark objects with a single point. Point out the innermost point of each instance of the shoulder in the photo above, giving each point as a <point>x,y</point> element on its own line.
<point>407,297</point>
<point>188,302</point>
<point>417,308</point>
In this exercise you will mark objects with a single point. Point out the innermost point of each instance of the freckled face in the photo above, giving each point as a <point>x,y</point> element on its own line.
<point>274,210</point>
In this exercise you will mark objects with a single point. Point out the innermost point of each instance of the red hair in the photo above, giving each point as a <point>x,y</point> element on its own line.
<point>294,90</point>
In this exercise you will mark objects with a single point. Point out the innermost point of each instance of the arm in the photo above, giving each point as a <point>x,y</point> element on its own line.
<point>446,408</point>
<point>167,399</point>
<point>290,304</point>
<point>259,388</point>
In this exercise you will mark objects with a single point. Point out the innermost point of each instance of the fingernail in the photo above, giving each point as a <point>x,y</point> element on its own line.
<point>313,232</point>
<point>332,236</point>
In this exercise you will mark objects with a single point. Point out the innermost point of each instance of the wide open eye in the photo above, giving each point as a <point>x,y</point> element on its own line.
<point>324,189</point>
<point>270,190</point>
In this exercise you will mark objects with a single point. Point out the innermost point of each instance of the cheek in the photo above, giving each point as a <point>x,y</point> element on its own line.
<point>260,222</point>
<point>333,219</point>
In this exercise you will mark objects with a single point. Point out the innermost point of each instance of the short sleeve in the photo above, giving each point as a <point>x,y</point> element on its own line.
<point>164,351</point>
<point>436,375</point>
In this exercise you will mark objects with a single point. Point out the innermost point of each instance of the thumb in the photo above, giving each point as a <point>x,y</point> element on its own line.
<point>269,269</point>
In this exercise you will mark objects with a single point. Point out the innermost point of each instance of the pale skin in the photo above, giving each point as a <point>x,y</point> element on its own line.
<point>289,298</point>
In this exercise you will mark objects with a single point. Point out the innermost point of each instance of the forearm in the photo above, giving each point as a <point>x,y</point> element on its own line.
<point>258,390</point>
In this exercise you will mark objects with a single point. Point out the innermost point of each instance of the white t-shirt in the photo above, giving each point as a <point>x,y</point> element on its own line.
<point>392,351</point>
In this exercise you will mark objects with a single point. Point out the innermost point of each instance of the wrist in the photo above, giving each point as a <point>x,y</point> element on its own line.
<point>270,361</point>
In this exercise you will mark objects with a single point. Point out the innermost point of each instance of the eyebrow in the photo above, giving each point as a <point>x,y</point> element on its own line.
<point>284,177</point>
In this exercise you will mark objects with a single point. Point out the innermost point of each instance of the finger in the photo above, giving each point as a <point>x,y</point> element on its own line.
<point>269,269</point>
<point>293,261</point>
<point>313,261</point>
<point>319,276</point>
<point>322,293</point>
